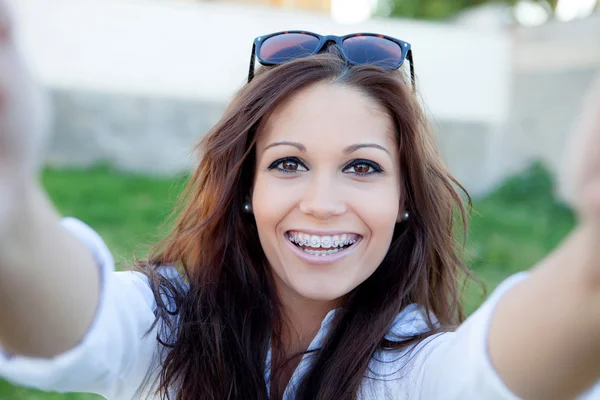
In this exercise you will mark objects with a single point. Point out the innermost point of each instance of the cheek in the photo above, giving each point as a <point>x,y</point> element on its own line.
<point>262,195</point>
<point>378,207</point>
<point>382,230</point>
<point>269,206</point>
<point>380,216</point>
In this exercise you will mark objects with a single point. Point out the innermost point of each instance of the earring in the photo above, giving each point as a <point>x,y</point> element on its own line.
<point>405,216</point>
<point>247,208</point>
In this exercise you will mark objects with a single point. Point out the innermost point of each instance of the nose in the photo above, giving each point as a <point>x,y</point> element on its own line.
<point>322,199</point>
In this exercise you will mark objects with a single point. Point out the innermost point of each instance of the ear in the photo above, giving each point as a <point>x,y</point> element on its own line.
<point>401,211</point>
<point>399,217</point>
<point>402,214</point>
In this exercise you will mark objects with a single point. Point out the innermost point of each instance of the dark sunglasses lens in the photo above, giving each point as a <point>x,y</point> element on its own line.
<point>287,46</point>
<point>373,50</point>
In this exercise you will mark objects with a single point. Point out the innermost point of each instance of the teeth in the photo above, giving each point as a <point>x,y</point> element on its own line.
<point>323,242</point>
<point>322,252</point>
<point>315,241</point>
<point>335,241</point>
<point>303,239</point>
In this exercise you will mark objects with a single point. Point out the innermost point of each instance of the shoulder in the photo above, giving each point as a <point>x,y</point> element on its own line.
<point>412,320</point>
<point>410,324</point>
<point>449,365</point>
<point>395,373</point>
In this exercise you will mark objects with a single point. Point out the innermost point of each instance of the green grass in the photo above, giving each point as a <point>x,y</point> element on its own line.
<point>511,229</point>
<point>514,228</point>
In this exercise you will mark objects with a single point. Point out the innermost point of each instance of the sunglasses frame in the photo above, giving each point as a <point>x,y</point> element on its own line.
<point>324,40</point>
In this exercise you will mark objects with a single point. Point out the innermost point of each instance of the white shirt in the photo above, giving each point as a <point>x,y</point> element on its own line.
<point>115,359</point>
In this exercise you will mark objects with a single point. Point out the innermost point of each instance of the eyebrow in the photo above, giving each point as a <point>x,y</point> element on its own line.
<point>299,146</point>
<point>355,147</point>
<point>350,149</point>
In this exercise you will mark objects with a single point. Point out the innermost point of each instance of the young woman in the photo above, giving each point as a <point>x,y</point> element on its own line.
<point>313,257</point>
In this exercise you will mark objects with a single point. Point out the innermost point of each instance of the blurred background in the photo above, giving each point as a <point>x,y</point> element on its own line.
<point>136,83</point>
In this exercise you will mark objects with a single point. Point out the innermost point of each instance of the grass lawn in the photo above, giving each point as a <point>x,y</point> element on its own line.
<point>510,229</point>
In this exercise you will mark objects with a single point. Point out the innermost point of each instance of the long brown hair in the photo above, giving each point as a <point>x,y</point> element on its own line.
<point>218,326</point>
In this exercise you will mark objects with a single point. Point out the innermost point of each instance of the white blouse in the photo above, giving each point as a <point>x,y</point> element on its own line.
<point>116,360</point>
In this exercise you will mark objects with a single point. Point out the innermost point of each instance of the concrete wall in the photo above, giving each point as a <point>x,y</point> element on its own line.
<point>136,133</point>
<point>136,83</point>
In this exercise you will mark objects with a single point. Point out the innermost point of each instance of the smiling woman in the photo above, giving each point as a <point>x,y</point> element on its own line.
<point>326,159</point>
<point>313,257</point>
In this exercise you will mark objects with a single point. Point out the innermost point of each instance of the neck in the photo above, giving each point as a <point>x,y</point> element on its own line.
<point>302,320</point>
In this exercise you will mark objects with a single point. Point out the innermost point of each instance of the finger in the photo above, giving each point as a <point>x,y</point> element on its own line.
<point>590,203</point>
<point>5,22</point>
<point>581,164</point>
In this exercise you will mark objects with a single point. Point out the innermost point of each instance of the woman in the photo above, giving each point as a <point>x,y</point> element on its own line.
<point>316,259</point>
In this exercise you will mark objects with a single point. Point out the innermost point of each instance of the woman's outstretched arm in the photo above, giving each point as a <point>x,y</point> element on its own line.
<point>544,337</point>
<point>49,283</point>
<point>538,334</point>
<point>68,322</point>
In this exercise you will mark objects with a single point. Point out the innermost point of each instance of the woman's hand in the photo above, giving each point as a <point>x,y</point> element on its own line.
<point>580,183</point>
<point>580,176</point>
<point>23,122</point>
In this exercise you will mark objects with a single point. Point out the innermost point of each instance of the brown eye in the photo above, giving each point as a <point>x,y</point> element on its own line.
<point>289,165</point>
<point>361,168</point>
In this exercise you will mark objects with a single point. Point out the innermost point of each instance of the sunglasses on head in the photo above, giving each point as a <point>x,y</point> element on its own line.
<point>357,48</point>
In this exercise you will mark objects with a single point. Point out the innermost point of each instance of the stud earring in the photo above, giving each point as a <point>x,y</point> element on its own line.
<point>247,208</point>
<point>405,216</point>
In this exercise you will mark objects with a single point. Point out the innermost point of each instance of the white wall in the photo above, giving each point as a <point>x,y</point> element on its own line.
<point>555,65</point>
<point>201,51</point>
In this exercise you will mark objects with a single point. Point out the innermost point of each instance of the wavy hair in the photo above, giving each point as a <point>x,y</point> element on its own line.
<point>219,324</point>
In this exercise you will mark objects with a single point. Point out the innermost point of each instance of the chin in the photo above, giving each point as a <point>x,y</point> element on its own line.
<point>322,291</point>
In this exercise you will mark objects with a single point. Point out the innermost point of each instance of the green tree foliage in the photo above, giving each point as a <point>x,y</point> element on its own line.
<point>441,9</point>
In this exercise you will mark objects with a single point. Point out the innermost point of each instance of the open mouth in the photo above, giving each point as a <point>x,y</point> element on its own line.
<point>323,245</point>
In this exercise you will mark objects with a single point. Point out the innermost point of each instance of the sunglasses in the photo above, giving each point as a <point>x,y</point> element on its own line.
<point>357,48</point>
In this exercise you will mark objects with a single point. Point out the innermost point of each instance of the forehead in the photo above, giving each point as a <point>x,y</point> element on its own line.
<point>327,114</point>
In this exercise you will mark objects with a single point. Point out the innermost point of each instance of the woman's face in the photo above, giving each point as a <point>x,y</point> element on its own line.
<point>326,193</point>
